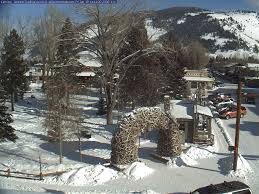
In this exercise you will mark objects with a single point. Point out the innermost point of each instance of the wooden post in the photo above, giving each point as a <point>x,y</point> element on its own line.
<point>166,103</point>
<point>79,145</point>
<point>8,172</point>
<point>237,125</point>
<point>41,176</point>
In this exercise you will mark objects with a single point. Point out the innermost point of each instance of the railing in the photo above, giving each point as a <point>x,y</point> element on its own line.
<point>202,140</point>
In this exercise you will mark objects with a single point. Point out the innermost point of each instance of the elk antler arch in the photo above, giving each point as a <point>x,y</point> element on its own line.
<point>124,141</point>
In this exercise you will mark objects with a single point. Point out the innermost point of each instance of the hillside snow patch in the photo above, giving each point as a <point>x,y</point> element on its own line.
<point>181,21</point>
<point>138,170</point>
<point>153,32</point>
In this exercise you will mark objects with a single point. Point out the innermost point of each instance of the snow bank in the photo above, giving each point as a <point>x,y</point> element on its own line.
<point>148,192</point>
<point>138,170</point>
<point>222,128</point>
<point>182,160</point>
<point>191,155</point>
<point>90,175</point>
<point>243,168</point>
<point>199,153</point>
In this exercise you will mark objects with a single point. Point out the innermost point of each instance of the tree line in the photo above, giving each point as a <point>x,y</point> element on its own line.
<point>134,69</point>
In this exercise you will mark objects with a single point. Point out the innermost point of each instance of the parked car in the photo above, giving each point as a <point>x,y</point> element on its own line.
<point>232,112</point>
<point>232,187</point>
<point>249,98</point>
<point>218,83</point>
<point>228,101</point>
<point>218,97</point>
<point>223,107</point>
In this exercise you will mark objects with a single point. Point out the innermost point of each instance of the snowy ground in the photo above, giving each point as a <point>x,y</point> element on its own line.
<point>249,133</point>
<point>211,164</point>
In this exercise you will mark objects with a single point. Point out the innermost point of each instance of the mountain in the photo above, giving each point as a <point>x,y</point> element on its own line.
<point>226,33</point>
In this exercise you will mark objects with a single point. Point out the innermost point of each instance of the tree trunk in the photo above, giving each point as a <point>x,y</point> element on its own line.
<point>43,76</point>
<point>109,115</point>
<point>60,146</point>
<point>12,101</point>
<point>108,93</point>
<point>79,146</point>
<point>15,97</point>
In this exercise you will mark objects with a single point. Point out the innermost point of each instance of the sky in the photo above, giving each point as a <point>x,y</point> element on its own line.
<point>212,4</point>
<point>37,10</point>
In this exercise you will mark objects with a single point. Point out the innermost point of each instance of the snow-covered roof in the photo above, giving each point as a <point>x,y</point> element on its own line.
<point>252,65</point>
<point>88,59</point>
<point>87,63</point>
<point>204,110</point>
<point>28,73</point>
<point>182,109</point>
<point>199,79</point>
<point>86,74</point>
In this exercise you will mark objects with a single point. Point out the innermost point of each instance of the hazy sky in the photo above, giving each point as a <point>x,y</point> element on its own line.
<point>37,10</point>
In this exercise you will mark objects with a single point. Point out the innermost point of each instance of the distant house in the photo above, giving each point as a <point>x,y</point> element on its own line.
<point>198,79</point>
<point>251,71</point>
<point>35,72</point>
<point>248,73</point>
<point>89,63</point>
<point>194,120</point>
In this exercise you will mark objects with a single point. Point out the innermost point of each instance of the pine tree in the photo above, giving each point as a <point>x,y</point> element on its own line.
<point>6,131</point>
<point>61,85</point>
<point>101,107</point>
<point>142,78</point>
<point>256,50</point>
<point>12,66</point>
<point>66,48</point>
<point>176,81</point>
<point>67,66</point>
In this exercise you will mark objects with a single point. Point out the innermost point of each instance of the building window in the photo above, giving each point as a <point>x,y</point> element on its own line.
<point>182,127</point>
<point>193,84</point>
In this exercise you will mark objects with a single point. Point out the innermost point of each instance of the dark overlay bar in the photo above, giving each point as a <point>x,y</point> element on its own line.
<point>58,1</point>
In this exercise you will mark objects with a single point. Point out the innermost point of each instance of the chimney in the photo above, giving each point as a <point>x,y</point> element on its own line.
<point>167,103</point>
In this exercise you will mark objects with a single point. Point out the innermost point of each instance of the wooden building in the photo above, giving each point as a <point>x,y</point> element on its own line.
<point>194,120</point>
<point>198,80</point>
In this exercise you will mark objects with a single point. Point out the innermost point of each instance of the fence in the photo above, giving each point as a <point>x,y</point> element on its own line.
<point>22,175</point>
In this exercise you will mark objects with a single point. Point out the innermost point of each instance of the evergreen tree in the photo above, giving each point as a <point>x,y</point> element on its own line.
<point>101,107</point>
<point>66,48</point>
<point>142,78</point>
<point>12,66</point>
<point>173,67</point>
<point>256,50</point>
<point>6,131</point>
<point>67,66</point>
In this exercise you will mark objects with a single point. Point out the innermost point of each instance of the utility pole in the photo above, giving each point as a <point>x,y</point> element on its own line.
<point>237,124</point>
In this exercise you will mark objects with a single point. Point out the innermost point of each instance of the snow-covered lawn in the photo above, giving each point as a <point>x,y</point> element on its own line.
<point>93,174</point>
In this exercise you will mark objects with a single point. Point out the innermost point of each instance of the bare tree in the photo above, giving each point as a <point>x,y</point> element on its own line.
<point>105,35</point>
<point>5,28</point>
<point>62,118</point>
<point>46,30</point>
<point>195,56</point>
